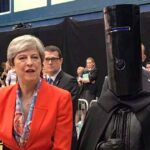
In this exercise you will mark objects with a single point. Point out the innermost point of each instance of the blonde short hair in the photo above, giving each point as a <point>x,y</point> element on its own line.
<point>22,43</point>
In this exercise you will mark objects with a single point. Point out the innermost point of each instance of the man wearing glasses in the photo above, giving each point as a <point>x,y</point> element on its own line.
<point>52,66</point>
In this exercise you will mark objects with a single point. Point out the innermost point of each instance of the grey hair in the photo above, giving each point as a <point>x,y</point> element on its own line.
<point>22,43</point>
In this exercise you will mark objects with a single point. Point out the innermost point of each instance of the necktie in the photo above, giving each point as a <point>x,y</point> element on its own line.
<point>50,81</point>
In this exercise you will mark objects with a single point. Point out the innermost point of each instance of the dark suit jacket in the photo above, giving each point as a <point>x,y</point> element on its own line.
<point>69,83</point>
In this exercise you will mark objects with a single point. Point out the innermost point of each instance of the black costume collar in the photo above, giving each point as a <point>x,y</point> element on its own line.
<point>136,102</point>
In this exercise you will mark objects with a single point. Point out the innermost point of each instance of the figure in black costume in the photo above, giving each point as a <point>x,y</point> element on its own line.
<point>120,120</point>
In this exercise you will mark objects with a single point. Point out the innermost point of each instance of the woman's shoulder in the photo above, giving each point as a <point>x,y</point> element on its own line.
<point>7,93</point>
<point>6,89</point>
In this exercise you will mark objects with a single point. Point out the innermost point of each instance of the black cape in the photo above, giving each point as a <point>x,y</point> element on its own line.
<point>100,113</point>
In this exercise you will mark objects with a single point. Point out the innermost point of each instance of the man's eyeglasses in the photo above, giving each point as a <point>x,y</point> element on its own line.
<point>52,59</point>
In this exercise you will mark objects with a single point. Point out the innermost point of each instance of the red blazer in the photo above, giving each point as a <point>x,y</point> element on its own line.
<point>51,127</point>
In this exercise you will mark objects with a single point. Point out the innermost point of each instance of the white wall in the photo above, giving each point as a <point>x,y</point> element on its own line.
<point>21,5</point>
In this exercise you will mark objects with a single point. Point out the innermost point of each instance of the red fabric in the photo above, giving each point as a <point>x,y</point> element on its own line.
<point>52,119</point>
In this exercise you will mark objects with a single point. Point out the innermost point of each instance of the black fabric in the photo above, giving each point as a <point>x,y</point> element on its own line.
<point>100,114</point>
<point>122,133</point>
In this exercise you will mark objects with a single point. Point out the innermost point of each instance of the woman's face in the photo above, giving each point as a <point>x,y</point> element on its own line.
<point>28,66</point>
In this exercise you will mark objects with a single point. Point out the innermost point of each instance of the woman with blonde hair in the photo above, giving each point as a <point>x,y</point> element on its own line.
<point>35,115</point>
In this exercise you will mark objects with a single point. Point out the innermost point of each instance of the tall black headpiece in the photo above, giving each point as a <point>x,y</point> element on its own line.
<point>123,46</point>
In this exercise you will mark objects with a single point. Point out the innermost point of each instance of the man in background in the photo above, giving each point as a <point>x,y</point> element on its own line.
<point>89,80</point>
<point>56,76</point>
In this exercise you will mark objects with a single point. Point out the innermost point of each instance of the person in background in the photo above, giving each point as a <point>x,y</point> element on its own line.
<point>35,115</point>
<point>80,71</point>
<point>89,80</point>
<point>11,77</point>
<point>6,67</point>
<point>80,113</point>
<point>56,76</point>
